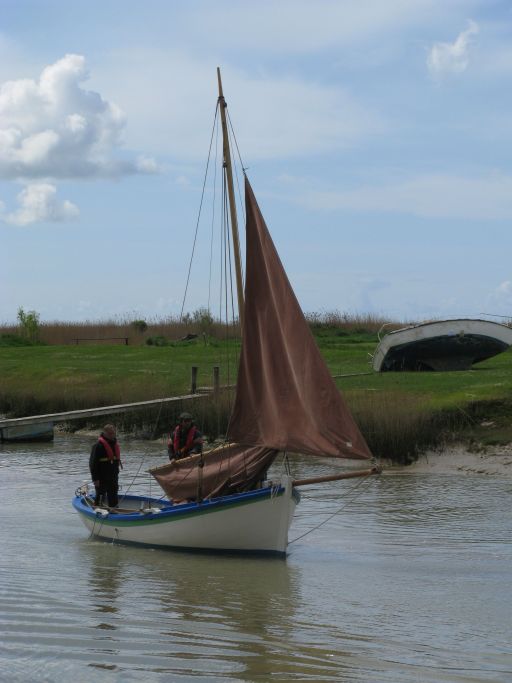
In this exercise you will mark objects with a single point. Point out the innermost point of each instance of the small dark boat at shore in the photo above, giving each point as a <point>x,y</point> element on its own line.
<point>30,432</point>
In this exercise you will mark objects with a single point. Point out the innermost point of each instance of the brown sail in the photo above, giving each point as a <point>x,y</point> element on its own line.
<point>228,469</point>
<point>286,398</point>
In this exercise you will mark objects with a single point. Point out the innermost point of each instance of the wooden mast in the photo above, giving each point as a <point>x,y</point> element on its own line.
<point>232,203</point>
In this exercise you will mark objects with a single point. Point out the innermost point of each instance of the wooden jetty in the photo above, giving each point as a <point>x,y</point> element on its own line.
<point>40,427</point>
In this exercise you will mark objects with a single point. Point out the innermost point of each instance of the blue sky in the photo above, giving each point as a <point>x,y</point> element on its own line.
<point>377,137</point>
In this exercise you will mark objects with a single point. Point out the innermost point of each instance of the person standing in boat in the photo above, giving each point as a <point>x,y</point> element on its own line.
<point>105,463</point>
<point>186,439</point>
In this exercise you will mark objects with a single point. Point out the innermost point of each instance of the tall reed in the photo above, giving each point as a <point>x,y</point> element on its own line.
<point>115,330</point>
<point>350,322</point>
<point>396,427</point>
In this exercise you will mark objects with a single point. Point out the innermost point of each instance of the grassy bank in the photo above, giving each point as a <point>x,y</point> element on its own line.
<point>399,413</point>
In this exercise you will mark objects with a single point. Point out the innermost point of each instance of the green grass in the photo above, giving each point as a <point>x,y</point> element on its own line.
<point>486,381</point>
<point>141,373</point>
<point>62,377</point>
<point>398,412</point>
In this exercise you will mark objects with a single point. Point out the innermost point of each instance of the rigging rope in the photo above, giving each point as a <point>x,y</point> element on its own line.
<point>144,455</point>
<point>226,284</point>
<point>199,214</point>
<point>320,524</point>
<point>233,137</point>
<point>213,212</point>
<point>244,169</point>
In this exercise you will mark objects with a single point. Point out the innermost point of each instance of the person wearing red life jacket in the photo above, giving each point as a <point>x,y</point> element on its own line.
<point>186,439</point>
<point>105,463</point>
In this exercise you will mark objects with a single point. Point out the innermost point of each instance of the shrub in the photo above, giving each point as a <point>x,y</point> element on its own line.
<point>29,325</point>
<point>204,319</point>
<point>13,340</point>
<point>140,325</point>
<point>157,340</point>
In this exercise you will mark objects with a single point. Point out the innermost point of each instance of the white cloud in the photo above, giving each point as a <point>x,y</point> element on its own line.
<point>53,127</point>
<point>488,197</point>
<point>449,58</point>
<point>38,203</point>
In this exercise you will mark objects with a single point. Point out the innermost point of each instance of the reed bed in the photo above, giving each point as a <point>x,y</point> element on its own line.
<point>367,323</point>
<point>392,433</point>
<point>397,426</point>
<point>116,330</point>
<point>200,323</point>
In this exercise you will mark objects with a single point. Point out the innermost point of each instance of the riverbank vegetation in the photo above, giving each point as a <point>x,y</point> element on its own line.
<point>400,414</point>
<point>135,331</point>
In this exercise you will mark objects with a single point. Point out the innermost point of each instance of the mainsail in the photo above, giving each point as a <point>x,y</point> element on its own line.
<point>286,398</point>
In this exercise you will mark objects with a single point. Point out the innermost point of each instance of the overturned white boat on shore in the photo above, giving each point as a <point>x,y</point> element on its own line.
<point>441,345</point>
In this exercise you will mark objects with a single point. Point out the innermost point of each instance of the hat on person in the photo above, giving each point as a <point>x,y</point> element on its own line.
<point>186,416</point>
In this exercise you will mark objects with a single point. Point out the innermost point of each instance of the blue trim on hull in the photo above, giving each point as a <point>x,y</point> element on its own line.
<point>169,511</point>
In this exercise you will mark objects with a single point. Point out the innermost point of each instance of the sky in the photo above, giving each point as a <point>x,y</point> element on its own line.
<point>376,136</point>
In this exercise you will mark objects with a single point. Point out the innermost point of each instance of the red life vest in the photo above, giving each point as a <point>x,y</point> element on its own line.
<point>111,454</point>
<point>190,438</point>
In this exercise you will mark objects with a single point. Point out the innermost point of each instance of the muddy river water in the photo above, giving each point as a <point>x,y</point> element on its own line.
<point>407,577</point>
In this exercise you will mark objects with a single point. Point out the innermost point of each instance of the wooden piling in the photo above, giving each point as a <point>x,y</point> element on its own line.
<point>193,380</point>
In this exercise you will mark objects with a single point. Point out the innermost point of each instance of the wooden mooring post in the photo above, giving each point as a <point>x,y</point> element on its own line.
<point>216,381</point>
<point>193,379</point>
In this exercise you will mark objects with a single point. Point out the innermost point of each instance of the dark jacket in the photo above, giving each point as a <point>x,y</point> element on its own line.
<point>180,442</point>
<point>102,468</point>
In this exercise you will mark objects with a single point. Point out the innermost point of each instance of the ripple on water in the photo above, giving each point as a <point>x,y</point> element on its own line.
<point>405,578</point>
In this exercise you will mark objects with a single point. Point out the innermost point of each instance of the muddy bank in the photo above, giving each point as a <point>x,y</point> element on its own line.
<point>491,460</point>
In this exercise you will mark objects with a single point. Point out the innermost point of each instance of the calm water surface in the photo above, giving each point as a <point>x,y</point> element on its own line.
<point>410,581</point>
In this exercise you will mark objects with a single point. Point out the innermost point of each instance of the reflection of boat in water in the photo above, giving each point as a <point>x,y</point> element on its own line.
<point>286,400</point>
<point>441,345</point>
<point>190,615</point>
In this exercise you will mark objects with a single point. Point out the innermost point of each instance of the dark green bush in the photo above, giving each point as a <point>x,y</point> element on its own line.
<point>17,340</point>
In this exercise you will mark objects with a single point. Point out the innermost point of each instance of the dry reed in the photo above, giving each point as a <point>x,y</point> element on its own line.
<point>397,427</point>
<point>116,330</point>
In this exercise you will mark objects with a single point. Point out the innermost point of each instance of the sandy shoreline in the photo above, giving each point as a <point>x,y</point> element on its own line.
<point>457,459</point>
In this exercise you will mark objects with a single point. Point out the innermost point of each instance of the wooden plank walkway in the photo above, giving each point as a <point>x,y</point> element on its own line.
<point>124,407</point>
<point>94,412</point>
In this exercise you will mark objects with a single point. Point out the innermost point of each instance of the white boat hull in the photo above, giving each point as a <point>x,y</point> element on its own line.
<point>257,521</point>
<point>441,345</point>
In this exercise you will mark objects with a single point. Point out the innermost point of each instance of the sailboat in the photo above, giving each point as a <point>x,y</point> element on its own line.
<point>286,401</point>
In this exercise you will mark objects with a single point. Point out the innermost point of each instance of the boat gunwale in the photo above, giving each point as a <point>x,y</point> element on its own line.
<point>172,512</point>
